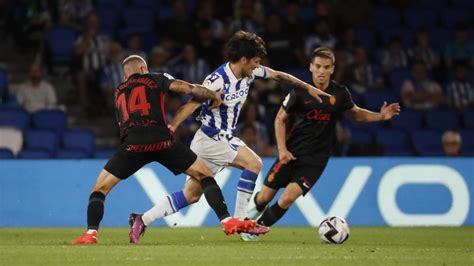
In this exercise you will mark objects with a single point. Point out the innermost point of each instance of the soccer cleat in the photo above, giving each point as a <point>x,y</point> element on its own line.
<point>137,227</point>
<point>252,234</point>
<point>233,225</point>
<point>248,237</point>
<point>87,238</point>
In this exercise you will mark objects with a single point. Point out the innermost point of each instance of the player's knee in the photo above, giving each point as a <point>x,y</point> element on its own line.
<point>254,165</point>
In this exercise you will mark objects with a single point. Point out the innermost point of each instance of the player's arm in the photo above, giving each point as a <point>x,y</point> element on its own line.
<point>358,114</point>
<point>295,82</point>
<point>199,93</point>
<point>182,113</point>
<point>280,133</point>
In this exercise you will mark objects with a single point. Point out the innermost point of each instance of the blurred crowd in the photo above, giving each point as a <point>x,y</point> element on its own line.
<point>186,40</point>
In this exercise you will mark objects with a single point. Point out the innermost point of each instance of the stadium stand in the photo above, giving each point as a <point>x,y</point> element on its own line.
<point>12,139</point>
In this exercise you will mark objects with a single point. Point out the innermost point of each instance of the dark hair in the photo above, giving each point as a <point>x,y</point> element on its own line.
<point>323,52</point>
<point>245,44</point>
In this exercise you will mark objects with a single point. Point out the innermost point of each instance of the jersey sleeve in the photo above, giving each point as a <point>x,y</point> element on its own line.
<point>163,80</point>
<point>347,102</point>
<point>290,102</point>
<point>213,82</point>
<point>260,72</point>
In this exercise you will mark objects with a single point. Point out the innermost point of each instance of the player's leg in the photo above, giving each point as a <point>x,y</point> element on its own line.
<point>303,176</point>
<point>260,201</point>
<point>252,164</point>
<point>95,209</point>
<point>272,214</point>
<point>119,167</point>
<point>174,202</point>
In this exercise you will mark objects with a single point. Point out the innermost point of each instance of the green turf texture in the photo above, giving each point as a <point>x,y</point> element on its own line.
<point>209,246</point>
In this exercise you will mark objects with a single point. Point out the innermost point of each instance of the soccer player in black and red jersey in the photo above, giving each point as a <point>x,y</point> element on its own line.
<point>145,138</point>
<point>303,155</point>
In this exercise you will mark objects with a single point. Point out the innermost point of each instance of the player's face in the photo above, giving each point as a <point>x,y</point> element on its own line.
<point>249,65</point>
<point>321,69</point>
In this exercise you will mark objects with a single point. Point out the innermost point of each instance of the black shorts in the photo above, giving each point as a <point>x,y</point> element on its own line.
<point>175,156</point>
<point>302,173</point>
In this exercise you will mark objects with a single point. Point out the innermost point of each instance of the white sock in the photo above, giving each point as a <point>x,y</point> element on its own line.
<point>245,189</point>
<point>241,203</point>
<point>91,231</point>
<point>160,210</point>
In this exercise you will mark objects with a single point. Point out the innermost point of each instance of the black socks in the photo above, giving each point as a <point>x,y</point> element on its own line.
<point>95,210</point>
<point>214,197</point>
<point>260,207</point>
<point>272,215</point>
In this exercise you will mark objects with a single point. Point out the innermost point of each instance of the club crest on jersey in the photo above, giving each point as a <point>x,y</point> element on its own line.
<point>332,100</point>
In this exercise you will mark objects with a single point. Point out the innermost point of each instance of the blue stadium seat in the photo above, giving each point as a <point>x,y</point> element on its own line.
<point>142,18</point>
<point>374,99</point>
<point>3,86</point>
<point>299,72</point>
<point>109,21</point>
<point>367,38</point>
<point>406,36</point>
<point>113,4</point>
<point>82,139</point>
<point>72,154</point>
<point>41,139</point>
<point>60,40</point>
<point>387,17</point>
<point>361,136</point>
<point>419,17</point>
<point>34,154</point>
<point>468,118</point>
<point>153,5</point>
<point>468,4</point>
<point>435,5</point>
<point>455,15</point>
<point>50,119</point>
<point>467,140</point>
<point>6,154</point>
<point>104,153</point>
<point>427,142</point>
<point>442,119</point>
<point>394,142</point>
<point>396,78</point>
<point>440,37</point>
<point>408,120</point>
<point>15,118</point>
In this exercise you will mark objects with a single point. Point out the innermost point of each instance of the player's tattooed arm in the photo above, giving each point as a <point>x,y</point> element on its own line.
<point>295,82</point>
<point>199,93</point>
<point>284,154</point>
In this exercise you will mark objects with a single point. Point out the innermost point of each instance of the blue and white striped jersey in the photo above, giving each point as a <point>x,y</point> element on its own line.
<point>235,91</point>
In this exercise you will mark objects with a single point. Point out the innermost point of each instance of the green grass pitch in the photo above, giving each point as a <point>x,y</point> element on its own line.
<point>209,246</point>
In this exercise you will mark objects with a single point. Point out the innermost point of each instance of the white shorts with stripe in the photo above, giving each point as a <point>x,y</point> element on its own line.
<point>218,151</point>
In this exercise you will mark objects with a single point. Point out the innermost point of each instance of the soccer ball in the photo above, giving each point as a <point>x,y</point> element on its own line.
<point>334,230</point>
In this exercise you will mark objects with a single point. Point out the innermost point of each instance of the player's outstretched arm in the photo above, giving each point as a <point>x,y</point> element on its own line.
<point>289,79</point>
<point>280,134</point>
<point>358,114</point>
<point>182,113</point>
<point>199,93</point>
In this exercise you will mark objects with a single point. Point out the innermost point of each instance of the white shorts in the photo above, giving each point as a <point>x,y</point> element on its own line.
<point>217,152</point>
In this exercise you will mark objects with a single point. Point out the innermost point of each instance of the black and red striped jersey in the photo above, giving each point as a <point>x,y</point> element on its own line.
<point>140,107</point>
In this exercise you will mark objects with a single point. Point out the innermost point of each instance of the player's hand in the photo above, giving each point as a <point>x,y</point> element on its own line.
<point>285,156</point>
<point>388,111</point>
<point>217,101</point>
<point>171,128</point>
<point>316,93</point>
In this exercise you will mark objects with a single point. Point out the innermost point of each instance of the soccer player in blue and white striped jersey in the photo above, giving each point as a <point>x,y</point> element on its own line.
<point>215,142</point>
